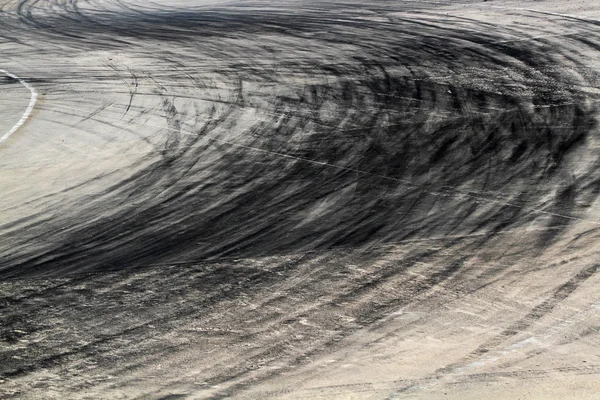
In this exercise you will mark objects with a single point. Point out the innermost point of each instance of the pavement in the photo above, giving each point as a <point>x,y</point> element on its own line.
<point>293,200</point>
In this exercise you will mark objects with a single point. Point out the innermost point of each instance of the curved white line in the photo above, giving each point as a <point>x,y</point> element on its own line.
<point>29,107</point>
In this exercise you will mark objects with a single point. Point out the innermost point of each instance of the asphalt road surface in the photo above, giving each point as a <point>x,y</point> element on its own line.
<point>299,199</point>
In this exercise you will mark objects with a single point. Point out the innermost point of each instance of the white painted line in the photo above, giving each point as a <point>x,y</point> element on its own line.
<point>29,107</point>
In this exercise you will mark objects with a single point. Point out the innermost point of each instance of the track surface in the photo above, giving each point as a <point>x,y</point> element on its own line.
<point>309,199</point>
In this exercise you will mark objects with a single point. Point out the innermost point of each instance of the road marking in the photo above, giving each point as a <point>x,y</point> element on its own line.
<point>29,107</point>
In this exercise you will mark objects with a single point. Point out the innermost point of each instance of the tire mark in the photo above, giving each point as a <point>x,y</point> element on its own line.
<point>559,294</point>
